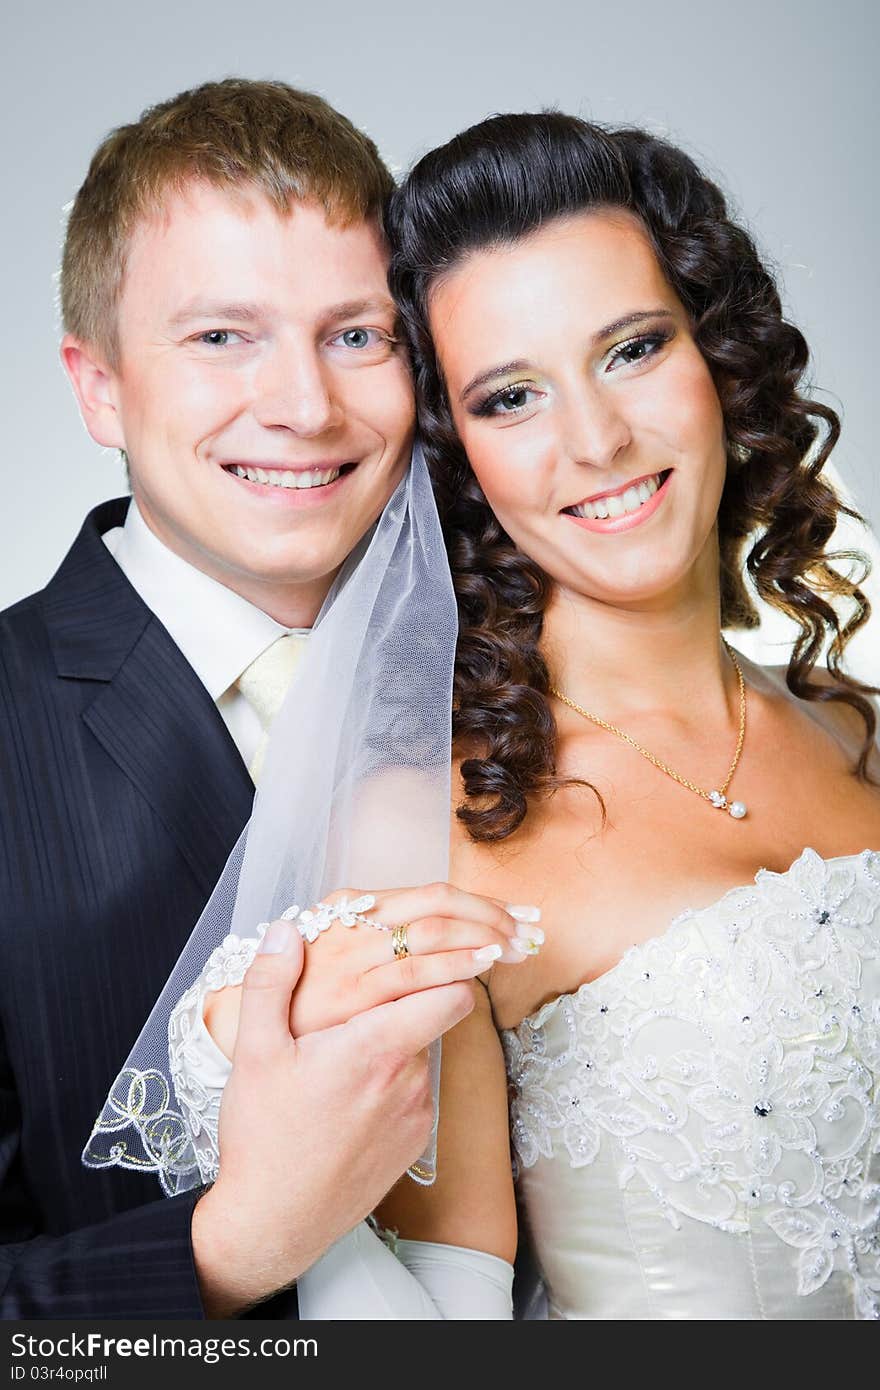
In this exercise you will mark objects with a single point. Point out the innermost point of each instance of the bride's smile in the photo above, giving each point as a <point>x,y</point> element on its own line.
<point>607,512</point>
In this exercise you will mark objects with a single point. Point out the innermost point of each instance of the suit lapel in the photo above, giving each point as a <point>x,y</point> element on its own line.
<point>157,721</point>
<point>151,713</point>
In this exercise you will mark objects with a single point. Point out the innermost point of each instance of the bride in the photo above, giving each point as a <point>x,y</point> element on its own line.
<point>609,399</point>
<point>686,1077</point>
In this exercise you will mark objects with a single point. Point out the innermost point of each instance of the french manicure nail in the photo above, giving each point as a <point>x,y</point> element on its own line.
<point>276,940</point>
<point>526,947</point>
<point>487,954</point>
<point>523,913</point>
<point>530,933</point>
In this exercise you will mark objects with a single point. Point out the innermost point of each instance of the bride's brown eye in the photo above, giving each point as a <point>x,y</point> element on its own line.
<point>633,351</point>
<point>508,401</point>
<point>637,350</point>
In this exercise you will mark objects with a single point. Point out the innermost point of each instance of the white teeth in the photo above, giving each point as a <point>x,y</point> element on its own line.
<point>621,504</point>
<point>312,477</point>
<point>631,500</point>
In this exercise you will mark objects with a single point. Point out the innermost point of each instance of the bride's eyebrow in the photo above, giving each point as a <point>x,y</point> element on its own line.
<point>630,321</point>
<point>521,364</point>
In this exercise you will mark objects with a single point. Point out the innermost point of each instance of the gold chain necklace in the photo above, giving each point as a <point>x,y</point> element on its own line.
<point>737,809</point>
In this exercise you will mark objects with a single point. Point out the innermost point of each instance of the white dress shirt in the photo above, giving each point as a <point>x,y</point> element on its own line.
<point>219,632</point>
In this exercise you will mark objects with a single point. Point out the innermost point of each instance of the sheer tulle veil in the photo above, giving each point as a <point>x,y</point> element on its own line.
<point>354,794</point>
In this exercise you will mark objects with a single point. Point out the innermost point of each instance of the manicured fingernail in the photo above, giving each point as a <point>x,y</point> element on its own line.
<point>487,954</point>
<point>276,939</point>
<point>524,914</point>
<point>530,933</point>
<point>526,947</point>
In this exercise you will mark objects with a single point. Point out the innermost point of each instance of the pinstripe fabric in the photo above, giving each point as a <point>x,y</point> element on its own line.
<point>121,795</point>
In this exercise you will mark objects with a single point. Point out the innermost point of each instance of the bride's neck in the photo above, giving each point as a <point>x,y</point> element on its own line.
<point>625,661</point>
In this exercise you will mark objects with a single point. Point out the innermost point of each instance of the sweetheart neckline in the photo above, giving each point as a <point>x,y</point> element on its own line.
<point>536,1018</point>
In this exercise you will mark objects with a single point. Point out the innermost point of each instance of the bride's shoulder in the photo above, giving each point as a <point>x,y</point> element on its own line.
<point>842,720</point>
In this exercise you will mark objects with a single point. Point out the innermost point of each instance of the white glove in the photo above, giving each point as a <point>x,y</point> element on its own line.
<point>359,1278</point>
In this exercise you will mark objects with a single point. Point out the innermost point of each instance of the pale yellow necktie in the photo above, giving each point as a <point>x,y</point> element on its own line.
<point>265,683</point>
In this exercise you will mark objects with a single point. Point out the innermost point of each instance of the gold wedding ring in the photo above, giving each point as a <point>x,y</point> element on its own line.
<point>398,941</point>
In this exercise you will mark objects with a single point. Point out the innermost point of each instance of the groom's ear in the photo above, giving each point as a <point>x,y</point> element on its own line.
<point>94,384</point>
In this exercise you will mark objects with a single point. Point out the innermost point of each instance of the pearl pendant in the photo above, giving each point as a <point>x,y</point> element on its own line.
<point>737,809</point>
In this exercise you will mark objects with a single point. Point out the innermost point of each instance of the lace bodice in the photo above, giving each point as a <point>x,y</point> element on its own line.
<point>696,1132</point>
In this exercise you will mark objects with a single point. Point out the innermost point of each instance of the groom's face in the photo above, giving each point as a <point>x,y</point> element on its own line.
<point>262,400</point>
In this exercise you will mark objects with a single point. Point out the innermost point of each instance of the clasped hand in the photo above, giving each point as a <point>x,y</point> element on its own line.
<point>451,935</point>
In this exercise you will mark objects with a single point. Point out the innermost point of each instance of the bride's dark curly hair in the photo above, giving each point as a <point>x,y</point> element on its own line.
<point>498,182</point>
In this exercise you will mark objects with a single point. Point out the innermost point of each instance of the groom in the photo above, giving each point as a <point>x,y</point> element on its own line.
<point>228,326</point>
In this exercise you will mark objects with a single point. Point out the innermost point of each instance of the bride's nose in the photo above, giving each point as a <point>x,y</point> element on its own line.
<point>594,426</point>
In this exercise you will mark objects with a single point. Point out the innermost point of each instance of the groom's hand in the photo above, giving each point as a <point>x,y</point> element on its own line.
<point>313,1131</point>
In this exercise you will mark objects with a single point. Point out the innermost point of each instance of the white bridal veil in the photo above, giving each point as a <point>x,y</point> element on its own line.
<point>354,793</point>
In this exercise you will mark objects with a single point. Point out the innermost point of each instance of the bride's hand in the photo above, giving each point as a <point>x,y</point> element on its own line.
<point>451,935</point>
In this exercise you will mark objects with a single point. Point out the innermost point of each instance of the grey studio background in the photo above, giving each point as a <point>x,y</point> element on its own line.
<point>778,100</point>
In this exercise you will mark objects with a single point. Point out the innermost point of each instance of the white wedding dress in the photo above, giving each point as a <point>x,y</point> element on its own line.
<point>696,1133</point>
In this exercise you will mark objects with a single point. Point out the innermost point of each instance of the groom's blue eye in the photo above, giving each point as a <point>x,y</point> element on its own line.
<point>217,337</point>
<point>364,340</point>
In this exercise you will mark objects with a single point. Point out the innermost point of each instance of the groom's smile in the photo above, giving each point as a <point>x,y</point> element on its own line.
<point>260,392</point>
<point>299,481</point>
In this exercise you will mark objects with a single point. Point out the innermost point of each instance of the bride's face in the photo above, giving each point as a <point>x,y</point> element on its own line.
<point>586,409</point>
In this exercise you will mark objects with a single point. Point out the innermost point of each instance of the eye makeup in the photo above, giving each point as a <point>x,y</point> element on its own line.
<point>639,348</point>
<point>504,401</point>
<point>631,352</point>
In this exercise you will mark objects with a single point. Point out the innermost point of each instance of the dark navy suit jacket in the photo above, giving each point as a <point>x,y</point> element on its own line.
<point>121,795</point>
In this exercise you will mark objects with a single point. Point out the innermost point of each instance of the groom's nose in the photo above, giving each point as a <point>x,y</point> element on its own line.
<point>294,392</point>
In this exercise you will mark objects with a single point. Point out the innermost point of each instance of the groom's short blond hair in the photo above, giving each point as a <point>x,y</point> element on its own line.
<point>286,144</point>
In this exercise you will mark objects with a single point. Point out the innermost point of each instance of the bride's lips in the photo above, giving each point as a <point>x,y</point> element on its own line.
<point>291,495</point>
<point>613,525</point>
